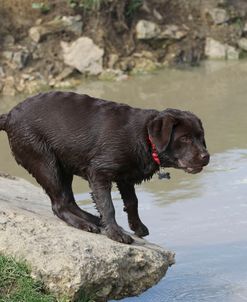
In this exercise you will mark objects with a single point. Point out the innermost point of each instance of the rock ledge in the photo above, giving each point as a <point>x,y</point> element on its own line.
<point>69,260</point>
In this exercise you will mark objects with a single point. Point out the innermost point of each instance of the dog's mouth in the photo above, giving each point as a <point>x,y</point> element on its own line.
<point>189,169</point>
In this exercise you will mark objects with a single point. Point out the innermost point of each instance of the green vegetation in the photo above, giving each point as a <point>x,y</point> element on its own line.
<point>239,23</point>
<point>93,5</point>
<point>16,284</point>
<point>132,7</point>
<point>89,5</point>
<point>42,7</point>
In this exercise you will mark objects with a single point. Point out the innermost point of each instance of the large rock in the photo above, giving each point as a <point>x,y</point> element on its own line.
<point>218,15</point>
<point>242,43</point>
<point>245,28</point>
<point>232,53</point>
<point>216,50</point>
<point>20,58</point>
<point>172,32</point>
<point>69,260</point>
<point>83,55</point>
<point>147,30</point>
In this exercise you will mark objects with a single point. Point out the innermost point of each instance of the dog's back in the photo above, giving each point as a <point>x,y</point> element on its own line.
<point>78,129</point>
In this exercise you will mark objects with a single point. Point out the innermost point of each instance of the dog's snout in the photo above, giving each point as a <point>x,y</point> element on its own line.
<point>205,157</point>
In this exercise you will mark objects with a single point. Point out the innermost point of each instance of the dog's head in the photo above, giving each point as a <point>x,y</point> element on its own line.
<point>179,140</point>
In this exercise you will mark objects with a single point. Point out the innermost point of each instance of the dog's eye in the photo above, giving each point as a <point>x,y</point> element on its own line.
<point>186,139</point>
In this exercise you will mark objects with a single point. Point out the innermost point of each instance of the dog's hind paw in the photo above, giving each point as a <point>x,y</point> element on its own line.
<point>90,227</point>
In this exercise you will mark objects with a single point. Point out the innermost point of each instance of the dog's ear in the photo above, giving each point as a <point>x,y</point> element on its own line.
<point>204,142</point>
<point>160,130</point>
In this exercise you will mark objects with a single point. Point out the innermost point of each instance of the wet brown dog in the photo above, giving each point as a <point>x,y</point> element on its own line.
<point>57,135</point>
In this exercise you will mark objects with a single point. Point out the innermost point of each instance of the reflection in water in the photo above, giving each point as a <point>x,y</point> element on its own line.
<point>202,217</point>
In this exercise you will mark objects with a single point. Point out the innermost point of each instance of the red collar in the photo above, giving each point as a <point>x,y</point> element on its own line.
<point>154,151</point>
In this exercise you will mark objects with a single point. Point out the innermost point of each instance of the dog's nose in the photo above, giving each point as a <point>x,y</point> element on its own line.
<point>205,157</point>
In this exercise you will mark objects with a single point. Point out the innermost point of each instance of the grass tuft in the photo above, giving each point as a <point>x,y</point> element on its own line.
<point>16,284</point>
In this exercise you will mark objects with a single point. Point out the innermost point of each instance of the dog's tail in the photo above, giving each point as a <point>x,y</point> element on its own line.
<point>3,119</point>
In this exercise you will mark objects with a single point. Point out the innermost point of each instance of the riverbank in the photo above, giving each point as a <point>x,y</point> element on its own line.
<point>52,44</point>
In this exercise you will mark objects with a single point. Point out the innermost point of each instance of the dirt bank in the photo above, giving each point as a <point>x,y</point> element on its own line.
<point>52,43</point>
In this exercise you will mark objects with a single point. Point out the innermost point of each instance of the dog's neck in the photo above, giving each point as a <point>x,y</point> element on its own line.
<point>154,151</point>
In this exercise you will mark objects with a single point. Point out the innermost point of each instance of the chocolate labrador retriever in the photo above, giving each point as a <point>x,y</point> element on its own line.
<point>56,135</point>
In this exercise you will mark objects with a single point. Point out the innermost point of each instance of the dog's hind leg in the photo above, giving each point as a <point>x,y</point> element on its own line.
<point>130,200</point>
<point>75,209</point>
<point>59,190</point>
<point>45,168</point>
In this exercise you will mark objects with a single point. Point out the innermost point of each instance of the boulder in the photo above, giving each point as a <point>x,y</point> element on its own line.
<point>20,58</point>
<point>172,32</point>
<point>17,59</point>
<point>218,15</point>
<point>83,55</point>
<point>147,30</point>
<point>216,50</point>
<point>245,28</point>
<point>69,260</point>
<point>232,53</point>
<point>242,43</point>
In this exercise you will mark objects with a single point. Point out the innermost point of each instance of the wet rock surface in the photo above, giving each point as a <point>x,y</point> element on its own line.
<point>68,260</point>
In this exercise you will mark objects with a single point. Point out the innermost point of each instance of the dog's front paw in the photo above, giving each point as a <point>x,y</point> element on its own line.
<point>115,233</point>
<point>141,230</point>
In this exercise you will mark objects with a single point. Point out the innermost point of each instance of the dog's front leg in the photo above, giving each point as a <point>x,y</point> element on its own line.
<point>101,193</point>
<point>130,200</point>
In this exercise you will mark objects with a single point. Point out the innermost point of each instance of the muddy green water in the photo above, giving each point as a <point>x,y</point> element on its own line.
<point>203,217</point>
